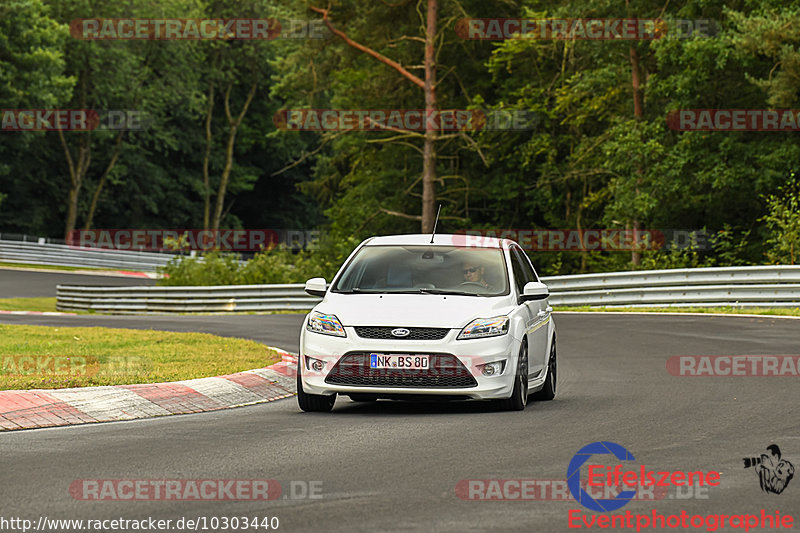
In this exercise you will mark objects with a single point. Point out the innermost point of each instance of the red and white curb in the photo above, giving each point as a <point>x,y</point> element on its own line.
<point>133,274</point>
<point>106,273</point>
<point>39,408</point>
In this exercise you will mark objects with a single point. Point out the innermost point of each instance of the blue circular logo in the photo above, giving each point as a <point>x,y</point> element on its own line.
<point>574,476</point>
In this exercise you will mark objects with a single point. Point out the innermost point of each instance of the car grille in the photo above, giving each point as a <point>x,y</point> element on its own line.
<point>445,372</point>
<point>415,334</point>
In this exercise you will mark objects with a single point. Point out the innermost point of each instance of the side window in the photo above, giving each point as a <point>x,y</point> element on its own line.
<point>530,273</point>
<point>517,268</point>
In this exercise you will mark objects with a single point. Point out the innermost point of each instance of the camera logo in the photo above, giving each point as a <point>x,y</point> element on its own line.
<point>574,477</point>
<point>773,472</point>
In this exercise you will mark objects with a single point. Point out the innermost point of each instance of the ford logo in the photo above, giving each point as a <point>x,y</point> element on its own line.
<point>400,332</point>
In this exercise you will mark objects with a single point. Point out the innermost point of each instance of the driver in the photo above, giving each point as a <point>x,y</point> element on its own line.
<point>474,273</point>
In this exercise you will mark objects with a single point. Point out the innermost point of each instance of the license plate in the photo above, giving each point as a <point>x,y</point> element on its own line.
<point>414,362</point>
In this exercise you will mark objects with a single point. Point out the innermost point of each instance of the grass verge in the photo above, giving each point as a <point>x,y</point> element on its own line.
<point>780,311</point>
<point>40,357</point>
<point>49,304</point>
<point>48,267</point>
<point>28,304</point>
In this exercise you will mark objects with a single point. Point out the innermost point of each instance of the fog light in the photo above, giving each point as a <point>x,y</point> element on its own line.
<point>314,364</point>
<point>491,369</point>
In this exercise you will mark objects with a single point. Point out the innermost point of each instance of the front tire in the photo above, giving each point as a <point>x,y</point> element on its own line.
<point>519,395</point>
<point>548,392</point>
<point>313,402</point>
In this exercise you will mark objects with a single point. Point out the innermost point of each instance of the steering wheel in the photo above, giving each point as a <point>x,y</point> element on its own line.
<point>472,284</point>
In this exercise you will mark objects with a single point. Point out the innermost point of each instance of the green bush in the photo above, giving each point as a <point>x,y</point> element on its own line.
<point>278,265</point>
<point>722,248</point>
<point>214,268</point>
<point>783,222</point>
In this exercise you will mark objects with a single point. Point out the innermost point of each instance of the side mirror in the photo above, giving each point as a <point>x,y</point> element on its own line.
<point>316,287</point>
<point>534,290</point>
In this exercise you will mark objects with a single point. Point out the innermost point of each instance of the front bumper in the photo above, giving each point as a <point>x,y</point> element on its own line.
<point>449,352</point>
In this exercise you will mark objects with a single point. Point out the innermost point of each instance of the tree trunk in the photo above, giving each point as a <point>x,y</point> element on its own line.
<point>103,179</point>
<point>428,215</point>
<point>226,174</point>
<point>429,150</point>
<point>638,113</point>
<point>72,211</point>
<point>77,171</point>
<point>207,157</point>
<point>579,225</point>
<point>234,127</point>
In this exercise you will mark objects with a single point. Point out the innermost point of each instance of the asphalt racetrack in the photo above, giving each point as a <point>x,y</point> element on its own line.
<point>393,466</point>
<point>35,283</point>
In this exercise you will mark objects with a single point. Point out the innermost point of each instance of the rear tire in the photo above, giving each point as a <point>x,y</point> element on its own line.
<point>548,392</point>
<point>519,395</point>
<point>313,402</point>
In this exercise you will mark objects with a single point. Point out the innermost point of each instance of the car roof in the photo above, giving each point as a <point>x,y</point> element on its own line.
<point>468,241</point>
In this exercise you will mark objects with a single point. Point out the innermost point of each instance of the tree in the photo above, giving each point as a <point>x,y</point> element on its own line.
<point>235,70</point>
<point>32,76</point>
<point>145,76</point>
<point>783,221</point>
<point>31,57</point>
<point>428,85</point>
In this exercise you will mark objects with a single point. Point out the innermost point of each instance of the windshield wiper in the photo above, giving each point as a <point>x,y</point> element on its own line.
<point>355,290</point>
<point>421,290</point>
<point>444,291</point>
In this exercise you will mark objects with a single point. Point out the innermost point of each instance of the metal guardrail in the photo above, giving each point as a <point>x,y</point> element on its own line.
<point>43,253</point>
<point>759,286</point>
<point>753,275</point>
<point>215,299</point>
<point>753,286</point>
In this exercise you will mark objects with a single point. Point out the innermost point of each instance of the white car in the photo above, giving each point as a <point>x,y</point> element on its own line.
<point>443,317</point>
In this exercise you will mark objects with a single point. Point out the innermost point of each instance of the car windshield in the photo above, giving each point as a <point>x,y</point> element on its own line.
<point>425,269</point>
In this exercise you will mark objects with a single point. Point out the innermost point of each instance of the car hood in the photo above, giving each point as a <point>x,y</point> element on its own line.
<point>412,310</point>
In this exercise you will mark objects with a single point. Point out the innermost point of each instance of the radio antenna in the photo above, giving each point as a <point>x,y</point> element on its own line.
<point>436,222</point>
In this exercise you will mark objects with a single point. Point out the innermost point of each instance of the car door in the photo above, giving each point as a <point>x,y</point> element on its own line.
<point>524,308</point>
<point>539,311</point>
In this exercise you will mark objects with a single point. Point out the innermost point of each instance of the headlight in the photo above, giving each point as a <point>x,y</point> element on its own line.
<point>485,327</point>
<point>325,324</point>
